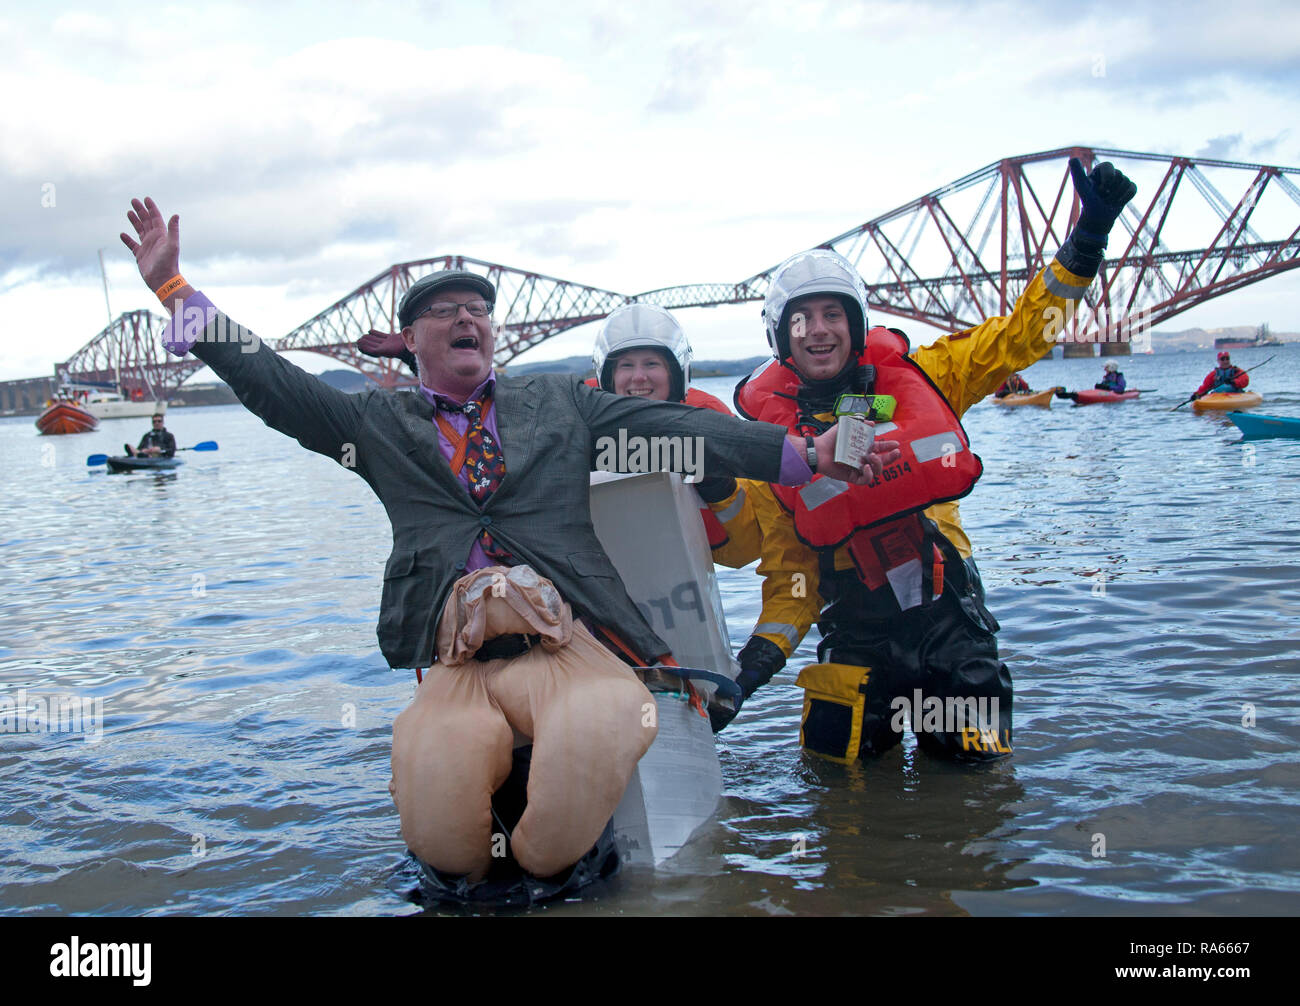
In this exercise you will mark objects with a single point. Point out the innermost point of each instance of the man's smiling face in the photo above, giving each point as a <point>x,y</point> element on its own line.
<point>455,353</point>
<point>820,340</point>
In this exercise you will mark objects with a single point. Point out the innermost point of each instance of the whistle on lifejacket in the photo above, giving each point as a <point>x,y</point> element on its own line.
<point>875,407</point>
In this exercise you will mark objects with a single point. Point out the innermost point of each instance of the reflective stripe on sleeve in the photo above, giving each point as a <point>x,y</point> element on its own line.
<point>787,632</point>
<point>1057,288</point>
<point>732,508</point>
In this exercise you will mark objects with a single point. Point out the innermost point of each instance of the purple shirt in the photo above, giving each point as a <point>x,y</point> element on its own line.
<point>794,466</point>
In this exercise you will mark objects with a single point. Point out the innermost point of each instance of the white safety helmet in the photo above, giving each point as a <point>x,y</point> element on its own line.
<point>1112,365</point>
<point>817,271</point>
<point>643,326</point>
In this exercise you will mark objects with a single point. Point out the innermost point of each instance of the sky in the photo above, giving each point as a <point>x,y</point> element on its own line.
<point>307,147</point>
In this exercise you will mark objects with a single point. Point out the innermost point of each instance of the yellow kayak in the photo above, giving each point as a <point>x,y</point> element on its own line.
<point>1228,401</point>
<point>1043,398</point>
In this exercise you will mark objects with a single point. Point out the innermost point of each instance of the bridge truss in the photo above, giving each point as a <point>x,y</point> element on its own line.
<point>1198,229</point>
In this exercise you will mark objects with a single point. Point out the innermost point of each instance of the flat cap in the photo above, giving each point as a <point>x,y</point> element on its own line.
<point>417,298</point>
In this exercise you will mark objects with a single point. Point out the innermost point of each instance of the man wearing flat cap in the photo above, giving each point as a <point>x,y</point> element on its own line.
<point>475,472</point>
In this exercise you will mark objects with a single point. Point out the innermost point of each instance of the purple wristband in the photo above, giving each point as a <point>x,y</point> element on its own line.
<point>187,324</point>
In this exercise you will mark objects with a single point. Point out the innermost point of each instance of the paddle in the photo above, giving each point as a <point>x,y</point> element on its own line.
<point>206,445</point>
<point>1258,365</point>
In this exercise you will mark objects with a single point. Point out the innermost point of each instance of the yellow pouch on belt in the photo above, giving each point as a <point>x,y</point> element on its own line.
<point>834,697</point>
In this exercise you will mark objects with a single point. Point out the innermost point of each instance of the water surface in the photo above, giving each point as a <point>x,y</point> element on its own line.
<point>1143,564</point>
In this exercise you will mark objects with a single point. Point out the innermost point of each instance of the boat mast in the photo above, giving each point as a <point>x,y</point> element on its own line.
<point>117,370</point>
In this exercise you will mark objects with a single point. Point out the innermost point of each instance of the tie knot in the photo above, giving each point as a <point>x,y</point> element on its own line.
<point>472,408</point>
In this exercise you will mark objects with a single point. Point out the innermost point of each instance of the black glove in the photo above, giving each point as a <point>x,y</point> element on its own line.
<point>759,660</point>
<point>1103,193</point>
<point>719,716</point>
<point>715,488</point>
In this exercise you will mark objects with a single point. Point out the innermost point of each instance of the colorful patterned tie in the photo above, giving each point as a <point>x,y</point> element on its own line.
<point>485,467</point>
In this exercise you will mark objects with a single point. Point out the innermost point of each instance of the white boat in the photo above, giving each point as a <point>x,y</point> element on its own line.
<point>110,405</point>
<point>104,403</point>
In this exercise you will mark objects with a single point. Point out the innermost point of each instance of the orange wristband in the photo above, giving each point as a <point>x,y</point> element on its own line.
<point>170,287</point>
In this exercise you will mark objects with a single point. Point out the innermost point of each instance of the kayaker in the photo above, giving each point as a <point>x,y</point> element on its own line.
<point>157,443</point>
<point>482,473</point>
<point>641,350</point>
<point>1223,379</point>
<point>1112,379</point>
<point>887,571</point>
<point>1013,385</point>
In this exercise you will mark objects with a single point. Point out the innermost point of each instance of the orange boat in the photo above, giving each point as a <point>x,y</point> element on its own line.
<point>65,417</point>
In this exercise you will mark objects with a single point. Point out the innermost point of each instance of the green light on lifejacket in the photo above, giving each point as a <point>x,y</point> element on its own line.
<point>867,406</point>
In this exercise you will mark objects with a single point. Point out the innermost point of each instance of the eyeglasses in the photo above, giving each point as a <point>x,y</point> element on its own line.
<point>444,309</point>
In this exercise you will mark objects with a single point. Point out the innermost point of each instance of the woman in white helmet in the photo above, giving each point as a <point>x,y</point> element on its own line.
<point>641,350</point>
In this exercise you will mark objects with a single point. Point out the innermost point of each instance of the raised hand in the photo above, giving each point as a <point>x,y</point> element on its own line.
<point>1102,195</point>
<point>158,252</point>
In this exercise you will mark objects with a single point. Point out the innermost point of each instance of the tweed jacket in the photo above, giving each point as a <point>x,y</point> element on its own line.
<point>549,427</point>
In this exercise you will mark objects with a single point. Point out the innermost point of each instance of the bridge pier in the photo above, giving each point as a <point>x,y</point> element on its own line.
<point>1076,350</point>
<point>26,396</point>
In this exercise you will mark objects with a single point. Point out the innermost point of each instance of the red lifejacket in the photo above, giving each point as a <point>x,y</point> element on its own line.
<point>937,464</point>
<point>1237,377</point>
<point>701,400</point>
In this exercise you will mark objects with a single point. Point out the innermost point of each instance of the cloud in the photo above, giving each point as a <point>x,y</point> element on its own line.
<point>626,147</point>
<point>328,142</point>
<point>693,68</point>
<point>78,26</point>
<point>1220,147</point>
<point>1262,147</point>
<point>1171,54</point>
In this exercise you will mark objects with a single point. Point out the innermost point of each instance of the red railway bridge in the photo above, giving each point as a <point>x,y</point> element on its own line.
<point>950,259</point>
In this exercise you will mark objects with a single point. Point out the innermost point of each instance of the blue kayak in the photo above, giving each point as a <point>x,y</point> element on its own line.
<point>141,464</point>
<point>1256,427</point>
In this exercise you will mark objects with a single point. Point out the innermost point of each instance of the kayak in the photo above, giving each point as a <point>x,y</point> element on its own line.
<point>1255,427</point>
<point>1043,398</point>
<point>126,464</point>
<point>1094,396</point>
<point>1228,400</point>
